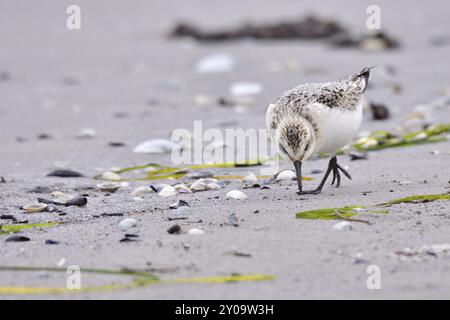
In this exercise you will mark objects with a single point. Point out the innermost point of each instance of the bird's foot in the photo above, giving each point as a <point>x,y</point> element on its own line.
<point>337,175</point>
<point>315,191</point>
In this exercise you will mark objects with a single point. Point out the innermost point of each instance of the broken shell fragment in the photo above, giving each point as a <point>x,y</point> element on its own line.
<point>108,187</point>
<point>35,207</point>
<point>236,194</point>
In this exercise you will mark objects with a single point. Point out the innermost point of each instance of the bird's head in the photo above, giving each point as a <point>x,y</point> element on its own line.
<point>361,78</point>
<point>295,139</point>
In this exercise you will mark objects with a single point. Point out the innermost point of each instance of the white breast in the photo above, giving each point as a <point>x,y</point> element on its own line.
<point>337,127</point>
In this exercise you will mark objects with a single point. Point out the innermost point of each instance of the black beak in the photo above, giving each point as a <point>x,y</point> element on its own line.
<point>298,172</point>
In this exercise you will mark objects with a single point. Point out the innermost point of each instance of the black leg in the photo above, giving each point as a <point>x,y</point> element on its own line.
<point>298,172</point>
<point>332,167</point>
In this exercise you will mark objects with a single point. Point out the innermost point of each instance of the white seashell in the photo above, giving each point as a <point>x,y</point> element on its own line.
<point>181,188</point>
<point>111,176</point>
<point>286,175</point>
<point>251,178</point>
<point>213,186</point>
<point>108,187</point>
<point>198,185</point>
<point>137,199</point>
<point>141,191</point>
<point>127,223</point>
<point>156,146</point>
<point>61,197</point>
<point>343,226</point>
<point>240,89</point>
<point>86,133</point>
<point>35,207</point>
<point>236,194</point>
<point>215,63</point>
<point>196,232</point>
<point>404,183</point>
<point>168,191</point>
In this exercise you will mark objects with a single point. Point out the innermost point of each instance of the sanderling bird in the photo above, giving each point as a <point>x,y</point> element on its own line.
<point>317,118</point>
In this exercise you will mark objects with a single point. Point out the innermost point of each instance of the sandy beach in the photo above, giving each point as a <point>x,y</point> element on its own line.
<point>123,76</point>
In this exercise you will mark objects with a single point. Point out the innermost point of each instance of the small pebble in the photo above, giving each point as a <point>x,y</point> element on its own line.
<point>64,173</point>
<point>175,229</point>
<point>50,241</point>
<point>17,238</point>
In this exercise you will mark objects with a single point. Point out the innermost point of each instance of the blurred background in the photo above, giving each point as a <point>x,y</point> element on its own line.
<point>124,75</point>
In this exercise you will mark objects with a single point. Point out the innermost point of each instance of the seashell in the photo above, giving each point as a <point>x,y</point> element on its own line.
<point>215,63</point>
<point>196,232</point>
<point>127,223</point>
<point>60,197</point>
<point>213,186</point>
<point>168,191</point>
<point>343,226</point>
<point>250,178</point>
<point>242,89</point>
<point>141,191</point>
<point>111,176</point>
<point>86,133</point>
<point>181,188</point>
<point>286,175</point>
<point>158,187</point>
<point>108,187</point>
<point>35,207</point>
<point>236,194</point>
<point>198,185</point>
<point>156,146</point>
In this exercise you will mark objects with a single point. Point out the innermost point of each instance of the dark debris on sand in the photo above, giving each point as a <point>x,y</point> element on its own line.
<point>307,28</point>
